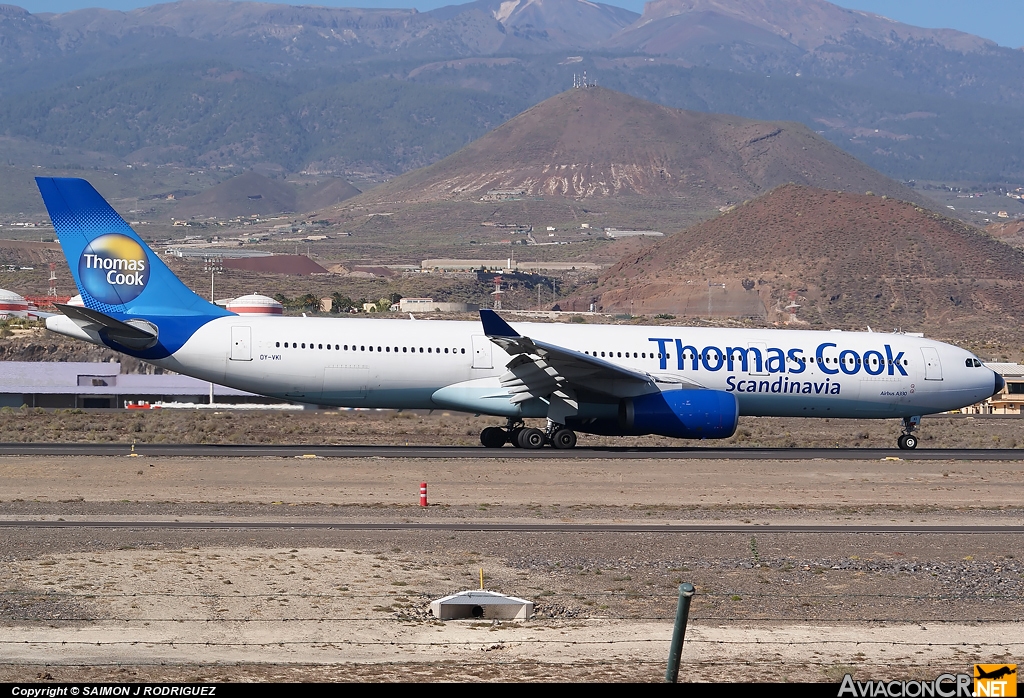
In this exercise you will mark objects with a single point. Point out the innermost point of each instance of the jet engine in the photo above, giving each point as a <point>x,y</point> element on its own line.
<point>682,414</point>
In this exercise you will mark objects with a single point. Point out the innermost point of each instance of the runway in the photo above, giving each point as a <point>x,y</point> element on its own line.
<point>478,452</point>
<point>510,527</point>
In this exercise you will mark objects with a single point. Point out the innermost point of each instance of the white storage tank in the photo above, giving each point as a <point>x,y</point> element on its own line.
<point>12,305</point>
<point>255,304</point>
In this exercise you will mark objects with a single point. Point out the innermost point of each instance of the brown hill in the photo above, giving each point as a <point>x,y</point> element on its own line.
<point>250,193</point>
<point>244,195</point>
<point>805,255</point>
<point>595,143</point>
<point>326,193</point>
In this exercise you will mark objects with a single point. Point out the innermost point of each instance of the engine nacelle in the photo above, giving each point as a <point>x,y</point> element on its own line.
<point>682,414</point>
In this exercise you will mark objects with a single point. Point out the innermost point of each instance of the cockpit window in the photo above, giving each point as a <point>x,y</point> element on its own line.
<point>973,363</point>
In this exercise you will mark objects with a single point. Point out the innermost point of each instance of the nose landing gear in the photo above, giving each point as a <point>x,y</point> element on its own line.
<point>907,441</point>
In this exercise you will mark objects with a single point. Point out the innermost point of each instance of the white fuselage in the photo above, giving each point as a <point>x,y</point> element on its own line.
<point>405,363</point>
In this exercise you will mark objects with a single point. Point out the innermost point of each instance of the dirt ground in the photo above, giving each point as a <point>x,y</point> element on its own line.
<point>295,604</point>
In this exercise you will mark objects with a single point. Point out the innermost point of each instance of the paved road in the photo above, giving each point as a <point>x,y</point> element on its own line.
<point>942,529</point>
<point>291,451</point>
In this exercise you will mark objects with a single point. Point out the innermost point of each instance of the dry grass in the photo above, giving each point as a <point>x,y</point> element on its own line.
<point>388,427</point>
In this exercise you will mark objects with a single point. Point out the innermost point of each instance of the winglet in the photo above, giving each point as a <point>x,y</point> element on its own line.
<point>494,326</point>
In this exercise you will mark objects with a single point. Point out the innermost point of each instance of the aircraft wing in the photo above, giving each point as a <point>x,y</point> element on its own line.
<point>548,371</point>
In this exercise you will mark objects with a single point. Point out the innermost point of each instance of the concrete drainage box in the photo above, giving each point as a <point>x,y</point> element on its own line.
<point>481,604</point>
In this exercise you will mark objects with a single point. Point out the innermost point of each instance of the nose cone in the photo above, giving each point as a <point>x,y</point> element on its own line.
<point>999,383</point>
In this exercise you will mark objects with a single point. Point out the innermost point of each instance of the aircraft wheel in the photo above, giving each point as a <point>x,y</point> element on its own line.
<point>564,438</point>
<point>493,437</point>
<point>531,438</point>
<point>907,442</point>
<point>513,436</point>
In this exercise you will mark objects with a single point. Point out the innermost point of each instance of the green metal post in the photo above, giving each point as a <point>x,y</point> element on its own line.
<point>679,632</point>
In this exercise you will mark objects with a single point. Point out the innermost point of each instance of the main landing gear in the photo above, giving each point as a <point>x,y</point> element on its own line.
<point>521,436</point>
<point>907,441</point>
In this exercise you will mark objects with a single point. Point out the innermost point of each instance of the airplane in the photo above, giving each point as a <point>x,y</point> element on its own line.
<point>682,382</point>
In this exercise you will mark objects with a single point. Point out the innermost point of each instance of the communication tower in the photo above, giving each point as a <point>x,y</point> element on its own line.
<point>581,81</point>
<point>497,293</point>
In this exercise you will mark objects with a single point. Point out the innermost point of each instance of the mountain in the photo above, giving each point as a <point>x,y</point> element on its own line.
<point>303,35</point>
<point>676,27</point>
<point>803,255</point>
<point>818,40</point>
<point>551,24</point>
<point>377,92</point>
<point>598,143</point>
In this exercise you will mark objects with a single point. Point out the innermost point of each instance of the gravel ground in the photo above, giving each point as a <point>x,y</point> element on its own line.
<point>133,604</point>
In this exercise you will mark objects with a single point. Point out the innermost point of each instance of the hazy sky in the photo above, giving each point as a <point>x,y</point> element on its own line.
<point>999,20</point>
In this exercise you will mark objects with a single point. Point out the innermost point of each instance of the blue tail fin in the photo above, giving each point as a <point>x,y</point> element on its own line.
<point>115,271</point>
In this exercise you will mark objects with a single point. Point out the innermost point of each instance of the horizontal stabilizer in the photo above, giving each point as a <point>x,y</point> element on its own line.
<point>136,336</point>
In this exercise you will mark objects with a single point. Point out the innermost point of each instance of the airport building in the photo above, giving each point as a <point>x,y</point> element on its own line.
<point>102,385</point>
<point>1010,400</point>
<point>429,305</point>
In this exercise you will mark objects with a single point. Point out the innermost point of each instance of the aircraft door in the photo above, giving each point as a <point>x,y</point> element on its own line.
<point>241,344</point>
<point>481,352</point>
<point>932,367</point>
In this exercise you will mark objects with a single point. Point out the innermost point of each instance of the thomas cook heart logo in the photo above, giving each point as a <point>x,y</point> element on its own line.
<point>114,269</point>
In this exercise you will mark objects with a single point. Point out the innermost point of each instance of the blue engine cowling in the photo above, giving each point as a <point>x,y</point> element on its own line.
<point>682,414</point>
